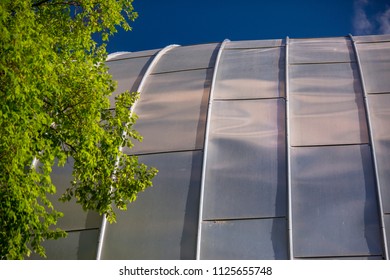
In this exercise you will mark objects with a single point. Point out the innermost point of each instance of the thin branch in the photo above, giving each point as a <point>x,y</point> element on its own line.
<point>70,146</point>
<point>48,2</point>
<point>40,3</point>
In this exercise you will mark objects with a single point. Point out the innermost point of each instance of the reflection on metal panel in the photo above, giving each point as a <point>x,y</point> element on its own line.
<point>162,222</point>
<point>128,73</point>
<point>244,239</point>
<point>327,120</point>
<point>324,40</point>
<point>372,38</point>
<point>250,73</point>
<point>324,79</point>
<point>375,63</point>
<point>187,58</point>
<point>253,44</point>
<point>379,105</point>
<point>326,105</point>
<point>335,211</point>
<point>246,170</point>
<point>75,218</point>
<point>172,111</point>
<point>320,50</point>
<point>126,55</point>
<point>78,245</point>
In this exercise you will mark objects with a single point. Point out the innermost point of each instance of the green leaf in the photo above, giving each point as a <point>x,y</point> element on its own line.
<point>54,107</point>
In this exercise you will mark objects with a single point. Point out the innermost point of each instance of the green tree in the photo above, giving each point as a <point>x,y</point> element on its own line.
<point>54,89</point>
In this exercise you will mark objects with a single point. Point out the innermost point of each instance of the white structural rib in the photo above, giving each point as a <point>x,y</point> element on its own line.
<point>206,141</point>
<point>139,89</point>
<point>289,202</point>
<point>372,143</point>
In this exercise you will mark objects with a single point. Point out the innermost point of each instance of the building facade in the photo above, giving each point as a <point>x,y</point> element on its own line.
<point>268,149</point>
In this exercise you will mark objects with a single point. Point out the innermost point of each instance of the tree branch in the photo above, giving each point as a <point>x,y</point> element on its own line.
<point>40,3</point>
<point>71,3</point>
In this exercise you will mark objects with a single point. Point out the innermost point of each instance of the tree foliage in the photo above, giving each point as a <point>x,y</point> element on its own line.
<point>54,89</point>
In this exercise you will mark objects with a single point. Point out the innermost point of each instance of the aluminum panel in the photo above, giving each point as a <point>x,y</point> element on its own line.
<point>126,55</point>
<point>334,202</point>
<point>325,40</point>
<point>246,165</point>
<point>253,44</point>
<point>172,111</point>
<point>372,38</point>
<point>379,106</point>
<point>244,239</point>
<point>75,218</point>
<point>250,73</point>
<point>345,258</point>
<point>327,120</point>
<point>78,245</point>
<point>326,105</point>
<point>188,58</point>
<point>320,51</point>
<point>128,73</point>
<point>162,223</point>
<point>375,64</point>
<point>387,227</point>
<point>325,79</point>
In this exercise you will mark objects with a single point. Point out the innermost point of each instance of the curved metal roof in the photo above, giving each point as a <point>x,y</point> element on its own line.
<point>269,149</point>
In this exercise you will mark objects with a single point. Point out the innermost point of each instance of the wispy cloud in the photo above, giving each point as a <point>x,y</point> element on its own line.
<point>361,24</point>
<point>384,22</point>
<point>364,23</point>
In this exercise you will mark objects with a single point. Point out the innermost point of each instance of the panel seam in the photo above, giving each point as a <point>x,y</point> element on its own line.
<point>289,189</point>
<point>372,143</point>
<point>205,150</point>
<point>139,89</point>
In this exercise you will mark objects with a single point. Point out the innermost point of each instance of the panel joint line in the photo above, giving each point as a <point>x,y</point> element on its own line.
<point>139,89</point>
<point>288,145</point>
<point>206,140</point>
<point>372,144</point>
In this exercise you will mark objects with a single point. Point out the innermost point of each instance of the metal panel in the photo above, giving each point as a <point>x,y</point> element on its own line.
<point>380,123</point>
<point>246,170</point>
<point>205,149</point>
<point>372,38</point>
<point>320,50</point>
<point>326,105</point>
<point>126,55</point>
<point>139,89</point>
<point>325,40</point>
<point>327,120</point>
<point>78,245</point>
<point>325,79</point>
<point>162,222</point>
<point>172,111</point>
<point>375,63</point>
<point>244,239</point>
<point>250,73</point>
<point>345,258</point>
<point>288,151</point>
<point>186,58</point>
<point>254,44</point>
<point>373,147</point>
<point>128,74</point>
<point>387,226</point>
<point>335,211</point>
<point>75,218</point>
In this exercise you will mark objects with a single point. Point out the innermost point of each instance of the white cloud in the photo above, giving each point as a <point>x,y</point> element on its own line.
<point>361,23</point>
<point>364,24</point>
<point>384,22</point>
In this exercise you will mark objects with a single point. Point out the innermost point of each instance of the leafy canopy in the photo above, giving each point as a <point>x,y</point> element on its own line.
<point>54,89</point>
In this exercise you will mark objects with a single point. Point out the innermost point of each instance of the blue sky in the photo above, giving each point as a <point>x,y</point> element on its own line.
<point>185,22</point>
